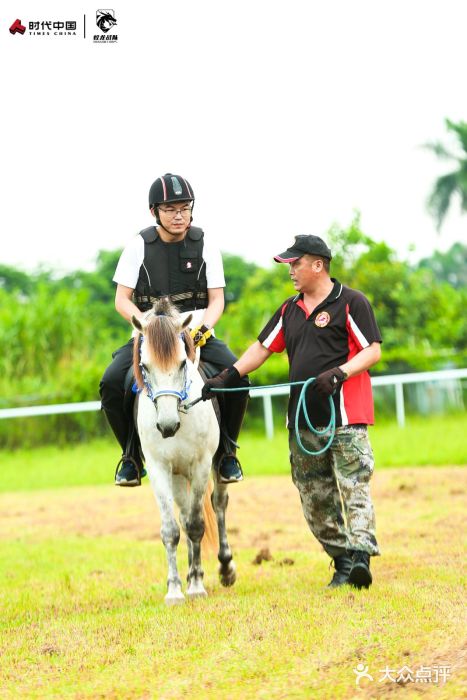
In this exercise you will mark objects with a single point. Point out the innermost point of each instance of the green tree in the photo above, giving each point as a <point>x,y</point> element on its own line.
<point>453,183</point>
<point>237,272</point>
<point>12,279</point>
<point>100,288</point>
<point>450,266</point>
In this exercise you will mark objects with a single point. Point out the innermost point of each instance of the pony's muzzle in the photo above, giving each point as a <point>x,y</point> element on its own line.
<point>168,429</point>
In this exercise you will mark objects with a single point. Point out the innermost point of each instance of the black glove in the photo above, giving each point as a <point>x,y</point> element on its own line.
<point>327,383</point>
<point>228,378</point>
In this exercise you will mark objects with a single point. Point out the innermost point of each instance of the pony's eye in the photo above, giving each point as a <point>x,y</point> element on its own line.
<point>145,367</point>
<point>182,364</point>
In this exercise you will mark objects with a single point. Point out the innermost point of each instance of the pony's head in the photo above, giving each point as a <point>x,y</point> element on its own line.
<point>160,353</point>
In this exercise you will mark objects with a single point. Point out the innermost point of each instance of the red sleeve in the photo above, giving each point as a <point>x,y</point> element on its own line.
<point>272,336</point>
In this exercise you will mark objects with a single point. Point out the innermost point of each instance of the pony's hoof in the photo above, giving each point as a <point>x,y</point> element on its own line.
<point>228,574</point>
<point>174,599</point>
<point>196,594</point>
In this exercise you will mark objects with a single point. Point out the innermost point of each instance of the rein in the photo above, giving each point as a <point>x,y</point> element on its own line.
<point>301,407</point>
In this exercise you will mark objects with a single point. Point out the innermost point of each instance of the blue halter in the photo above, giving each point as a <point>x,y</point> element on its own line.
<point>181,395</point>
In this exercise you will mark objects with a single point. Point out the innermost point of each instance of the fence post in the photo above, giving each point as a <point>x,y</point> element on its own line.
<point>268,419</point>
<point>400,410</point>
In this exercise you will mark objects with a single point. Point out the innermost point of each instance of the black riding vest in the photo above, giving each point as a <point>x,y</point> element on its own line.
<point>174,270</point>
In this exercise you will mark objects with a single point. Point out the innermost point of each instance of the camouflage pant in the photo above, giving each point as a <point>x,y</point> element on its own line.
<point>334,489</point>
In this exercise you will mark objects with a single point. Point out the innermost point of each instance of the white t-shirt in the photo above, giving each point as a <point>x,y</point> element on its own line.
<point>132,257</point>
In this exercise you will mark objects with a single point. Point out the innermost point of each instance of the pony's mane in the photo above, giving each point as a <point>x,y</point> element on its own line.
<point>162,339</point>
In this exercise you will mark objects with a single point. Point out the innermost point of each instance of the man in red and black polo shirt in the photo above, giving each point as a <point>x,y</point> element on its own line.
<point>329,332</point>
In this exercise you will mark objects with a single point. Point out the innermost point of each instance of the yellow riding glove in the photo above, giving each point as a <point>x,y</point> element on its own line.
<point>200,335</point>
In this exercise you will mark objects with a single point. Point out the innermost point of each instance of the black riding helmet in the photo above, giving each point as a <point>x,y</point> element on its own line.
<point>169,189</point>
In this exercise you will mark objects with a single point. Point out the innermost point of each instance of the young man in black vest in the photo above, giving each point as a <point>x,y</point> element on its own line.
<point>172,259</point>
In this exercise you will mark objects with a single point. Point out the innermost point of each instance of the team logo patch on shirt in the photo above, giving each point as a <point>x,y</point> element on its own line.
<point>322,319</point>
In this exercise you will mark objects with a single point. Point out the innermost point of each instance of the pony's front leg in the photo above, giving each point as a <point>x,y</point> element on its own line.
<point>181,492</point>
<point>161,483</point>
<point>227,568</point>
<point>195,532</point>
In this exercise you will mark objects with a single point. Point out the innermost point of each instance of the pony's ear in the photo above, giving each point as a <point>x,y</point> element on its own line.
<point>187,321</point>
<point>138,325</point>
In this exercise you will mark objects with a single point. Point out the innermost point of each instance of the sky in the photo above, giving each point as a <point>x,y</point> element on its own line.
<point>286,117</point>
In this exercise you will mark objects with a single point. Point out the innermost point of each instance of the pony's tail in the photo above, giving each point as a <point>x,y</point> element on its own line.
<point>210,541</point>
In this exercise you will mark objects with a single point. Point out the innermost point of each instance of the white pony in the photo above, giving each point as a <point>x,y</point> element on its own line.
<point>178,443</point>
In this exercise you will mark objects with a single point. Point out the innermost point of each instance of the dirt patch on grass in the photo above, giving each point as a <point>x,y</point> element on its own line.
<point>452,659</point>
<point>263,513</point>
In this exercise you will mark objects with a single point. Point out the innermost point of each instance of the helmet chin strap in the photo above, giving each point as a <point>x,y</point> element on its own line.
<point>155,212</point>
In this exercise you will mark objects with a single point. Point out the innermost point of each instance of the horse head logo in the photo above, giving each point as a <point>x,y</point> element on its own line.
<point>105,20</point>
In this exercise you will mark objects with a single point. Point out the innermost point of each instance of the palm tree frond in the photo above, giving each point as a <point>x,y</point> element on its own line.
<point>439,150</point>
<point>460,130</point>
<point>447,185</point>
<point>440,198</point>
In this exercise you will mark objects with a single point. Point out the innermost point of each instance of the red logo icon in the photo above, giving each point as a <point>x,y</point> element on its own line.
<point>17,27</point>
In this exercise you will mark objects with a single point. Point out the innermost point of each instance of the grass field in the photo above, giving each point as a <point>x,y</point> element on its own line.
<point>425,441</point>
<point>83,580</point>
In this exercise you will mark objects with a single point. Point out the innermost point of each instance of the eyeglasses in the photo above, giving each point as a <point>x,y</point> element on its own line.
<point>173,211</point>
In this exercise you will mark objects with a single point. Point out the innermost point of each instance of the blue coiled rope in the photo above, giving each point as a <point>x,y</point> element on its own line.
<point>301,406</point>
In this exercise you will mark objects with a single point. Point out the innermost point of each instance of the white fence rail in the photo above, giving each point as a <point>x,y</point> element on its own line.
<point>396,380</point>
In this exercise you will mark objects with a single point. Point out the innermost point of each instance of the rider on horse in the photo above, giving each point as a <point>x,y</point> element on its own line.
<point>172,260</point>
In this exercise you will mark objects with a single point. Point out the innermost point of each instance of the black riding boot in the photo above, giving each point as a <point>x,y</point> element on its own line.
<point>117,405</point>
<point>228,467</point>
<point>130,468</point>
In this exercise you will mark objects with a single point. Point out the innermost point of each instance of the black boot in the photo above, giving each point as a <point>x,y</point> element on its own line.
<point>130,469</point>
<point>228,467</point>
<point>129,472</point>
<point>119,413</point>
<point>343,565</point>
<point>360,574</point>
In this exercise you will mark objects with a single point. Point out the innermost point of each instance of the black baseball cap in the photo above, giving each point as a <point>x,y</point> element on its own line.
<point>302,245</point>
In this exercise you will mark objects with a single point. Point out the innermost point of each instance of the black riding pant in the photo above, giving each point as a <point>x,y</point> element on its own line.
<point>112,385</point>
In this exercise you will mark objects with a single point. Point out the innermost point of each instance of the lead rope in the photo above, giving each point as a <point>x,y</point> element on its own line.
<point>301,406</point>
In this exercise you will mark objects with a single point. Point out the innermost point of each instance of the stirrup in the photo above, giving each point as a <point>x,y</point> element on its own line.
<point>225,480</point>
<point>126,458</point>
